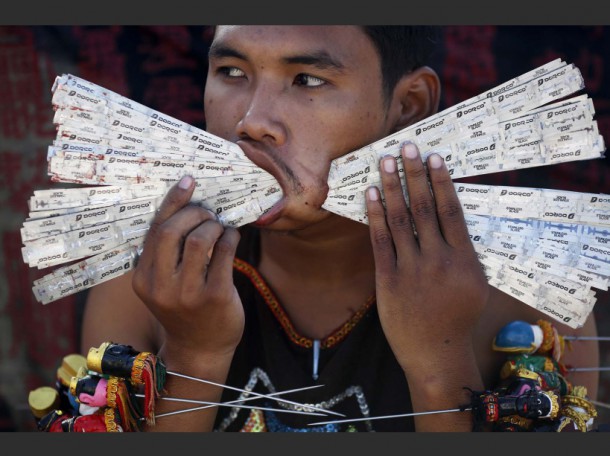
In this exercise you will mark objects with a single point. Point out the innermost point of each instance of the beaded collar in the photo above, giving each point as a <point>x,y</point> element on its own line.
<point>278,311</point>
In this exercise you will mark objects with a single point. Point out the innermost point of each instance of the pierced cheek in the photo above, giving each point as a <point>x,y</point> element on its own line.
<point>315,195</point>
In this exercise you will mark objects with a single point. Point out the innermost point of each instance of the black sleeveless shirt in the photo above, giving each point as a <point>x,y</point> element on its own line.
<point>355,365</point>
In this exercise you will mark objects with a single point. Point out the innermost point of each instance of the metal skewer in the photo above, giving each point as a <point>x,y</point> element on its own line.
<point>310,407</point>
<point>391,416</point>
<point>588,369</point>
<point>600,404</point>
<point>600,338</point>
<point>231,404</point>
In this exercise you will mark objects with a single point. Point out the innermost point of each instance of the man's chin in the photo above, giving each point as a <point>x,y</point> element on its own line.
<point>319,222</point>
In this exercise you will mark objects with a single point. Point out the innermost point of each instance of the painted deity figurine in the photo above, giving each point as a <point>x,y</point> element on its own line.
<point>533,364</point>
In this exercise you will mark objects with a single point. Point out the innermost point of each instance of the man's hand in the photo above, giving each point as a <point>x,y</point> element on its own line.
<point>188,290</point>
<point>431,289</point>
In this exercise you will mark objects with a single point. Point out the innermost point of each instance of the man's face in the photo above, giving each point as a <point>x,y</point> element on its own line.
<point>294,98</point>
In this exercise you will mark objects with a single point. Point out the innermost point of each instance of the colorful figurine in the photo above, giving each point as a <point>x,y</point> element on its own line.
<point>520,337</point>
<point>490,406</point>
<point>577,413</point>
<point>96,391</point>
<point>533,364</point>
<point>70,366</point>
<point>537,348</point>
<point>139,368</point>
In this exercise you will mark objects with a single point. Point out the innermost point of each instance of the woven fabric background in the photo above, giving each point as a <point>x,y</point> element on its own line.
<point>164,67</point>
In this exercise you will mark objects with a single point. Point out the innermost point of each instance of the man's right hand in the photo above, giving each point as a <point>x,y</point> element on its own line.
<point>189,291</point>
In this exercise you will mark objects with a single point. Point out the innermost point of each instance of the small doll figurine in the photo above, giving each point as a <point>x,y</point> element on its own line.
<point>90,390</point>
<point>70,366</point>
<point>137,368</point>
<point>107,420</point>
<point>533,365</point>
<point>531,405</point>
<point>537,348</point>
<point>51,422</point>
<point>518,384</point>
<point>98,393</point>
<point>42,400</point>
<point>520,337</point>
<point>577,413</point>
<point>95,391</point>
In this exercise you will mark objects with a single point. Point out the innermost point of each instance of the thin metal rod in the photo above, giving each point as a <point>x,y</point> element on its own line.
<point>390,416</point>
<point>600,338</point>
<point>310,407</point>
<point>600,404</point>
<point>588,369</point>
<point>224,404</point>
<point>230,403</point>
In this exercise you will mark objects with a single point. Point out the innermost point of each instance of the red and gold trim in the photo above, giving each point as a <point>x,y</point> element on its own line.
<point>139,364</point>
<point>110,420</point>
<point>334,338</point>
<point>112,392</point>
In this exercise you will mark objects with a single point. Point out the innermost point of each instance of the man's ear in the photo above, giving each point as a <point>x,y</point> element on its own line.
<point>415,97</point>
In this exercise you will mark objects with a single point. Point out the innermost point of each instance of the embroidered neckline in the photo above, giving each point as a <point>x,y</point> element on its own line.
<point>280,314</point>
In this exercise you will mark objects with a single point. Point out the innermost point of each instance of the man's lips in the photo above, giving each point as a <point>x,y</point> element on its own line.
<point>263,160</point>
<point>272,214</point>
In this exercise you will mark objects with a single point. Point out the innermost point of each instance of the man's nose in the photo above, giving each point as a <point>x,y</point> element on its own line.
<point>263,119</point>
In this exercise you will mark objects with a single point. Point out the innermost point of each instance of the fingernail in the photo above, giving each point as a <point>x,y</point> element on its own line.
<point>389,164</point>
<point>185,183</point>
<point>372,193</point>
<point>410,150</point>
<point>435,161</point>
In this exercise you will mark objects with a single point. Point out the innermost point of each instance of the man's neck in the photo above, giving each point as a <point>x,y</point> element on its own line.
<point>321,275</point>
<point>331,251</point>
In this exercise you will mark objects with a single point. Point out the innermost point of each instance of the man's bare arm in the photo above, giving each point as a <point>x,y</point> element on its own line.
<point>114,313</point>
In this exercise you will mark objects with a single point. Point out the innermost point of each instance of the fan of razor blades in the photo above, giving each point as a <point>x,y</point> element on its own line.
<point>547,248</point>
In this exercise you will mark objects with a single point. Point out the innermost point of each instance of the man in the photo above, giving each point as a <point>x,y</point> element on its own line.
<point>392,317</point>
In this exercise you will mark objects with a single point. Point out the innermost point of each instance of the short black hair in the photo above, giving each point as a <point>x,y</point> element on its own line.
<point>402,49</point>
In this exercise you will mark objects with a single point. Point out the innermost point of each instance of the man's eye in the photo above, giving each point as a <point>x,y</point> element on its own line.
<point>231,72</point>
<point>308,80</point>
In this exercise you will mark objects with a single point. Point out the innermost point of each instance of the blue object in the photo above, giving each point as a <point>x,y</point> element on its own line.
<point>515,337</point>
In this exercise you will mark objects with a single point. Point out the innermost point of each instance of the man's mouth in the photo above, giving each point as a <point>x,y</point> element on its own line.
<point>263,160</point>
<point>271,215</point>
